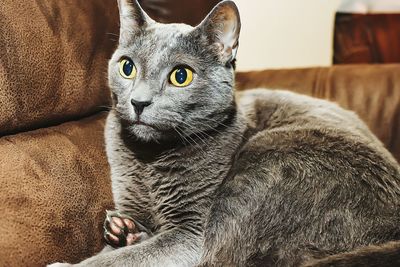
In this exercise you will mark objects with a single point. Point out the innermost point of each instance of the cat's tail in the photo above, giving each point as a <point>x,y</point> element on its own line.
<point>385,255</point>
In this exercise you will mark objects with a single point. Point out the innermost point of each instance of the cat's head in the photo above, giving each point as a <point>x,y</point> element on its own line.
<point>173,79</point>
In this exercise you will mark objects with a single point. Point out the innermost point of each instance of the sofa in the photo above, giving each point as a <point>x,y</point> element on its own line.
<point>54,176</point>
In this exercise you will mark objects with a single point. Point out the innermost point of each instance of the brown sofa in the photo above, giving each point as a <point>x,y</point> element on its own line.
<point>54,176</point>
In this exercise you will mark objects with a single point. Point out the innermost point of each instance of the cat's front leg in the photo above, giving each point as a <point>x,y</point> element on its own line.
<point>120,230</point>
<point>175,247</point>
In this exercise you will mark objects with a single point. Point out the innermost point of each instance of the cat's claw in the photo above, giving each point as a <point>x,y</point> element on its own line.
<point>121,230</point>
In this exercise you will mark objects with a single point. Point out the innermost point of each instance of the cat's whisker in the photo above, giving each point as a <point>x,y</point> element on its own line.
<point>180,136</point>
<point>194,141</point>
<point>108,108</point>
<point>227,128</point>
<point>197,144</point>
<point>191,128</point>
<point>113,34</point>
<point>204,134</point>
<point>180,132</point>
<point>209,127</point>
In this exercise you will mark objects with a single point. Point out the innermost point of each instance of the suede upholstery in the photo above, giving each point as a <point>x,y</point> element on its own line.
<point>54,176</point>
<point>55,186</point>
<point>53,60</point>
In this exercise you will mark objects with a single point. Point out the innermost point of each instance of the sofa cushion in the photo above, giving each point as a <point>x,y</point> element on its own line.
<point>55,186</point>
<point>372,91</point>
<point>53,60</point>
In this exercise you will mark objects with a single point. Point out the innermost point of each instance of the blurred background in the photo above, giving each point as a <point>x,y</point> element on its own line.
<point>286,33</point>
<point>292,33</point>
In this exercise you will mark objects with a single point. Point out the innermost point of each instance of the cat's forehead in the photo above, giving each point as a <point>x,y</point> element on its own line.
<point>172,29</point>
<point>160,45</point>
<point>163,36</point>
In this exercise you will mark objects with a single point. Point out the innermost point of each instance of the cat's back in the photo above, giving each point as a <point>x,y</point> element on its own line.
<point>285,122</point>
<point>287,118</point>
<point>311,144</point>
<point>284,110</point>
<point>315,161</point>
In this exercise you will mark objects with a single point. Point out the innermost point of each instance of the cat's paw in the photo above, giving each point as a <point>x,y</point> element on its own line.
<point>59,264</point>
<point>120,230</point>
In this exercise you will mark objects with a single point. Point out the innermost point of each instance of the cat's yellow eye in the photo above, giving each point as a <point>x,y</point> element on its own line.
<point>181,77</point>
<point>127,69</point>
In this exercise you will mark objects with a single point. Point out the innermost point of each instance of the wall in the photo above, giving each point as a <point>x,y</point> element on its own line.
<point>286,33</point>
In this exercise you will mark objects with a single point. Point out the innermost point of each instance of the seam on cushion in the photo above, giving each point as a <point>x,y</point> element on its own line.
<point>318,88</point>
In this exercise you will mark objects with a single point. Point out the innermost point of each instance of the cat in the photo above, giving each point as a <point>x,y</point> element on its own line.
<point>204,177</point>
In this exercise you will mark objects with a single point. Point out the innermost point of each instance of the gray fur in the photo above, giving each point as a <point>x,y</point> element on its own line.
<point>275,179</point>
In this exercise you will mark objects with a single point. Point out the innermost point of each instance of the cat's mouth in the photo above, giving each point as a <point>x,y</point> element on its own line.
<point>140,122</point>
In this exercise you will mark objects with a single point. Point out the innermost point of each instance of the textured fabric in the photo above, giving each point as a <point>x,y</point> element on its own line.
<point>53,60</point>
<point>372,91</point>
<point>55,187</point>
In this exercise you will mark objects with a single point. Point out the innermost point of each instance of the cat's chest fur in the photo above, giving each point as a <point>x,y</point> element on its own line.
<point>161,186</point>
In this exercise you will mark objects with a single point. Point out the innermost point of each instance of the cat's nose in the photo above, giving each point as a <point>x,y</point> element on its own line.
<point>139,105</point>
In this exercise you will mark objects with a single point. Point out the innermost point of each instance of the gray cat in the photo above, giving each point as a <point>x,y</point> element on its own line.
<point>202,177</point>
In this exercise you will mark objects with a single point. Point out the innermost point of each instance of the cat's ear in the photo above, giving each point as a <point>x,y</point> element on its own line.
<point>222,28</point>
<point>133,18</point>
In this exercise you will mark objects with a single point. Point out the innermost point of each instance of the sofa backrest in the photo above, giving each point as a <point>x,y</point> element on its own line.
<point>53,61</point>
